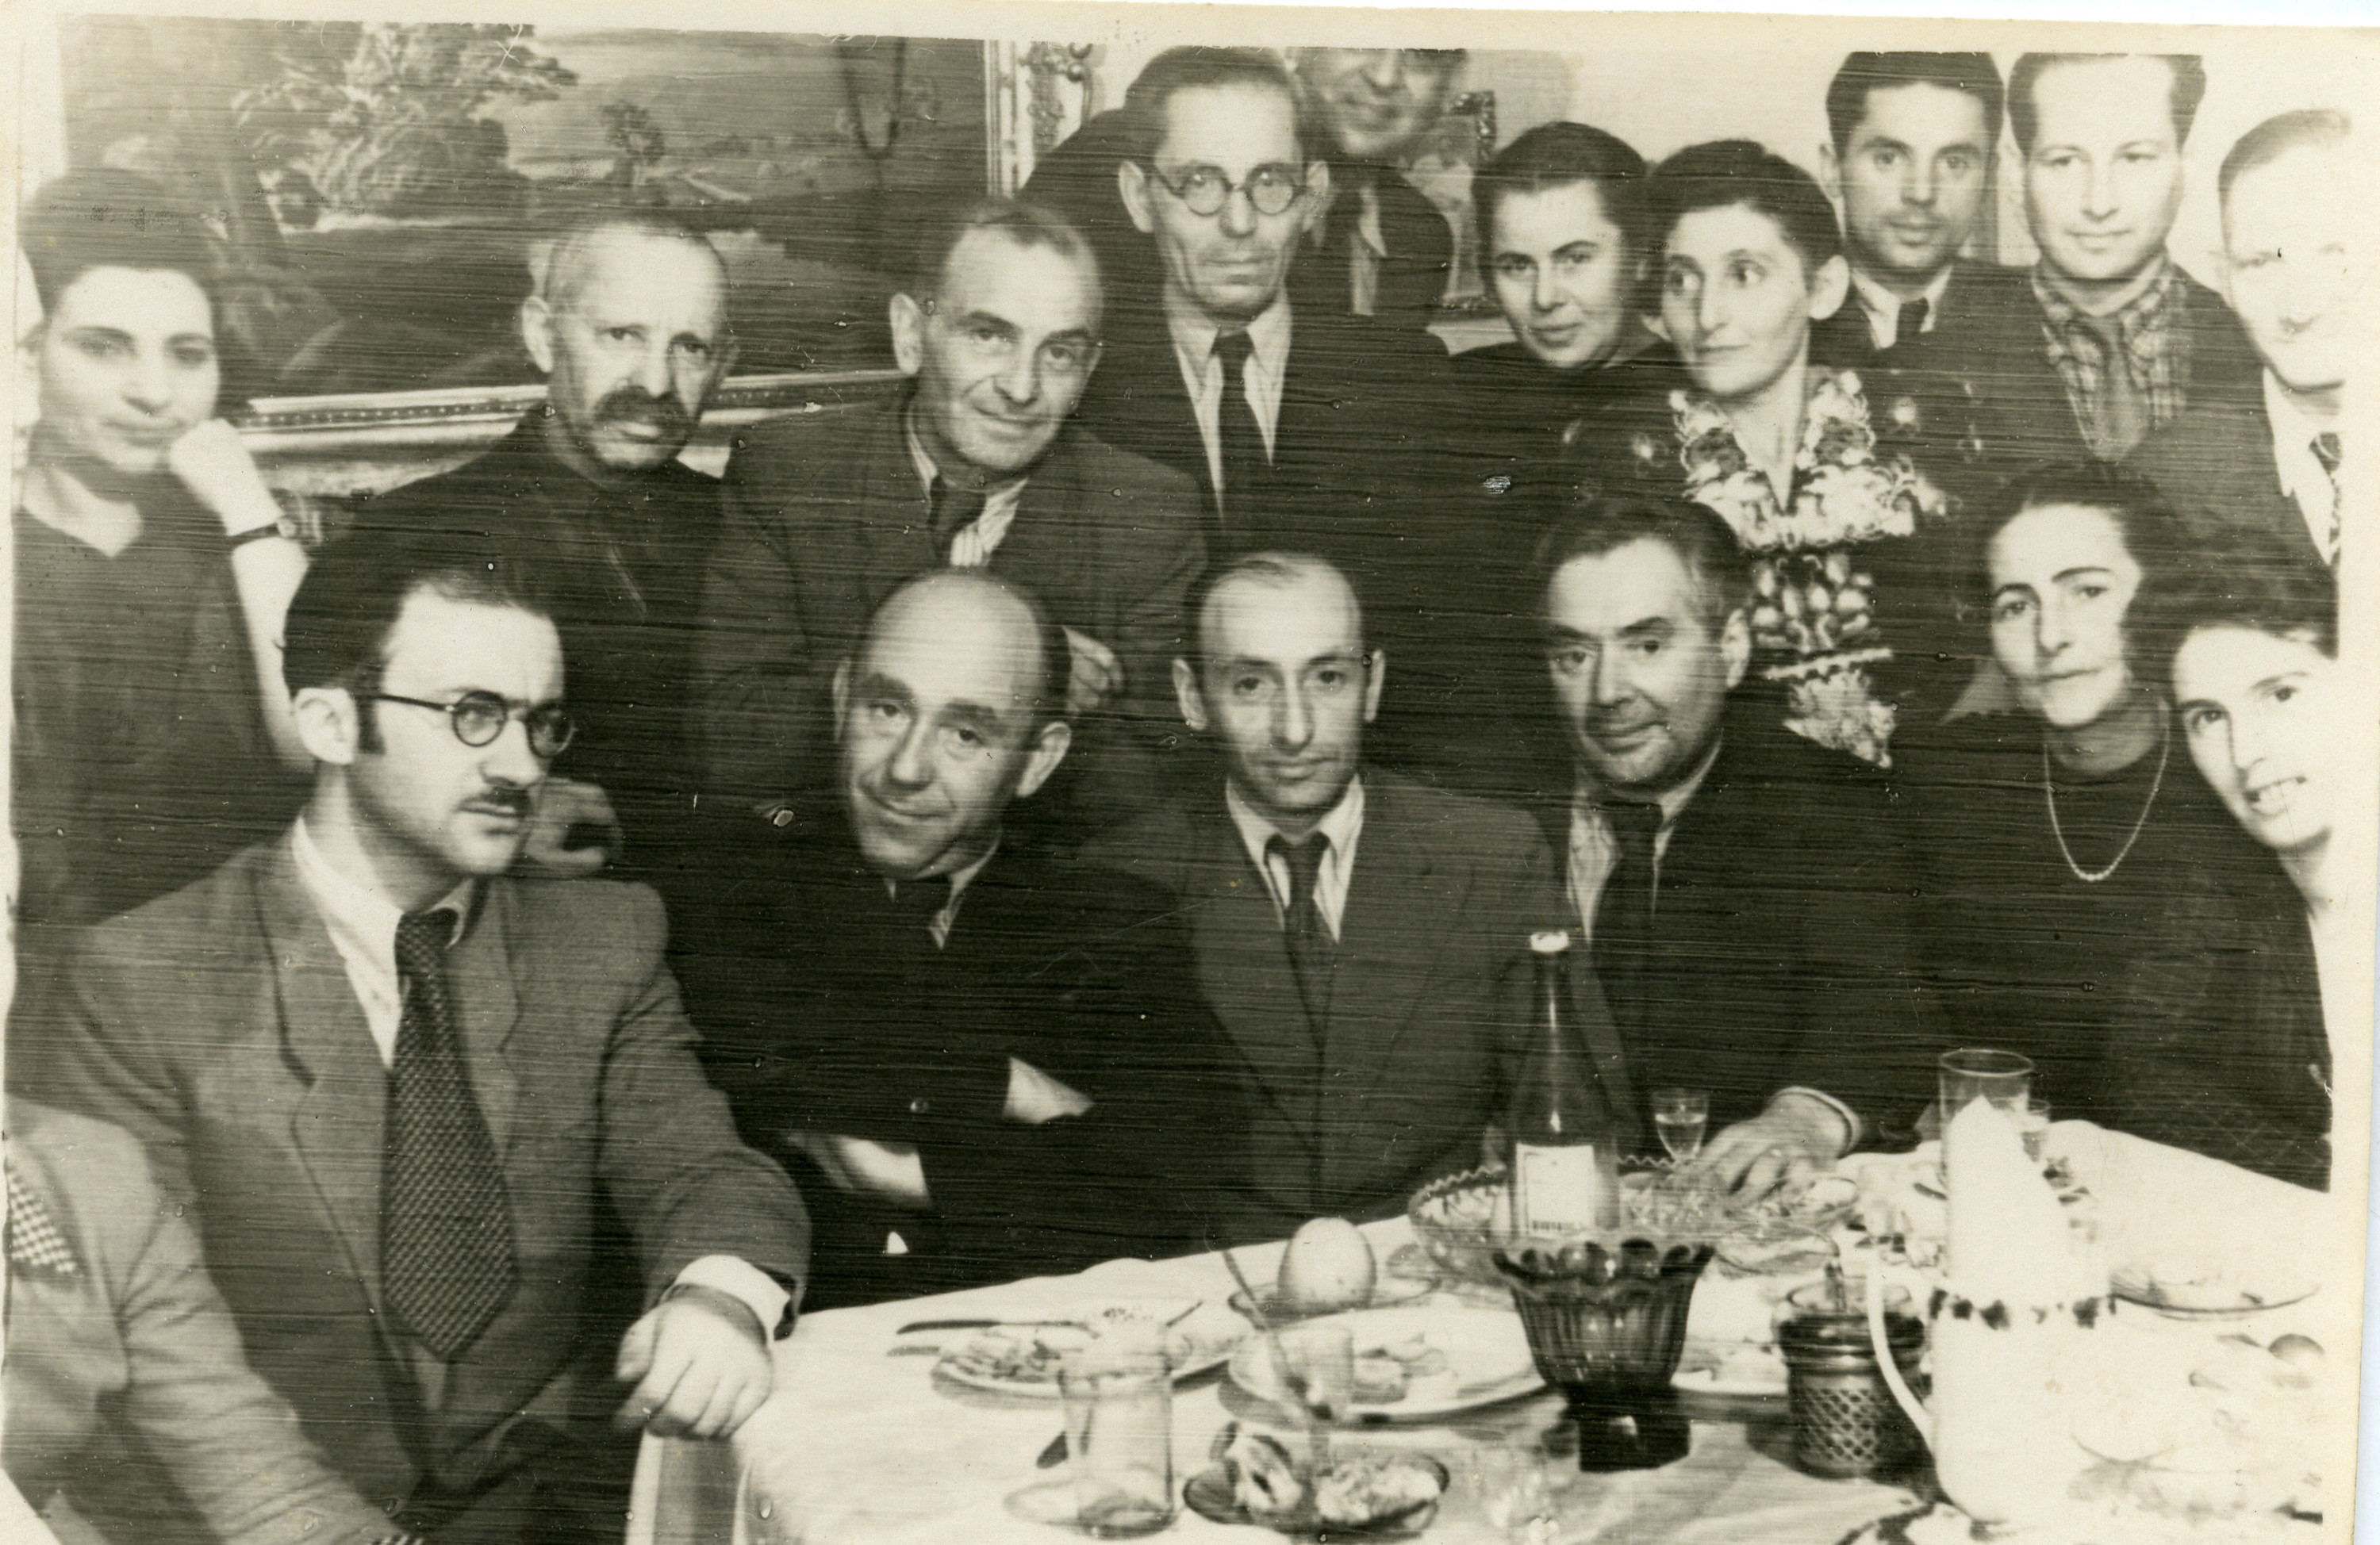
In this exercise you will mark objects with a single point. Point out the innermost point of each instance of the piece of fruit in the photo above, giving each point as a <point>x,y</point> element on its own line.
<point>1327,1267</point>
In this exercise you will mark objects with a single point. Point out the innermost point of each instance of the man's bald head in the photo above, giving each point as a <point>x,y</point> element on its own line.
<point>951,707</point>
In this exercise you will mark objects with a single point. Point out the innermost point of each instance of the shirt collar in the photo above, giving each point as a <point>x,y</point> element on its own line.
<point>2145,312</point>
<point>960,878</point>
<point>358,917</point>
<point>2293,435</point>
<point>1195,333</point>
<point>1672,800</point>
<point>1877,301</point>
<point>1340,828</point>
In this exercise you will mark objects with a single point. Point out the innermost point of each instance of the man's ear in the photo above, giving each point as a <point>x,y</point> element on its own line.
<point>1375,673</point>
<point>1317,194</point>
<point>1735,646</point>
<point>908,334</point>
<point>1048,750</point>
<point>1132,187</point>
<point>1831,288</point>
<point>537,332</point>
<point>329,723</point>
<point>1186,697</point>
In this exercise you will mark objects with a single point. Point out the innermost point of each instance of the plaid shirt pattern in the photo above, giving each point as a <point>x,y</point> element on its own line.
<point>34,1242</point>
<point>2153,328</point>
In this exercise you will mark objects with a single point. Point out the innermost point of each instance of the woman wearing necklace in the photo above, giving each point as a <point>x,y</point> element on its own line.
<point>2055,835</point>
<point>1846,615</point>
<point>2224,1021</point>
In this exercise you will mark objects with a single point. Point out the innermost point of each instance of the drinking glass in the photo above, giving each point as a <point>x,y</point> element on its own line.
<point>1978,1073</point>
<point>1679,1116</point>
<point>1118,1439</point>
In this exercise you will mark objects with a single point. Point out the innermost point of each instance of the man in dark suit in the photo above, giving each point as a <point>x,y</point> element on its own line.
<point>1913,141</point>
<point>1363,939</point>
<point>2118,333</point>
<point>628,322</point>
<point>1742,891</point>
<point>996,1068</point>
<point>1383,251</point>
<point>389,1080</point>
<point>2268,463</point>
<point>115,1331</point>
<point>978,463</point>
<point>1297,426</point>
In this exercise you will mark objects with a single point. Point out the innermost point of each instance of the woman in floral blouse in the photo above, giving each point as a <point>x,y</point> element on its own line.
<point>1850,614</point>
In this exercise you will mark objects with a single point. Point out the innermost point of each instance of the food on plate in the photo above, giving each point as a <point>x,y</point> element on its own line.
<point>1017,1353</point>
<point>1262,1476</point>
<point>1326,1267</point>
<point>1385,1374</point>
<point>2226,1449</point>
<point>1373,1488</point>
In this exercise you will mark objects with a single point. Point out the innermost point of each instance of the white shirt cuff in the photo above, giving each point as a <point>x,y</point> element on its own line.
<point>1851,1129</point>
<point>747,1284</point>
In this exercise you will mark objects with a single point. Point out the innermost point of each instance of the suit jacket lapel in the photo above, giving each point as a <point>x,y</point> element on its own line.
<point>1392,916</point>
<point>337,1124</point>
<point>899,528</point>
<point>1044,543</point>
<point>479,977</point>
<point>1237,934</point>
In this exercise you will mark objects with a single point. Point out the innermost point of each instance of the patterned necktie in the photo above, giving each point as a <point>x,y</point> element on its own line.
<point>2325,451</point>
<point>1312,952</point>
<point>446,1229</point>
<point>954,509</point>
<point>1912,319</point>
<point>1623,913</point>
<point>2123,406</point>
<point>1245,464</point>
<point>35,1241</point>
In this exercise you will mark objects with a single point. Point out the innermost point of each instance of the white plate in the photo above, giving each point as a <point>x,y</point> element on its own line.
<point>1487,1356</point>
<point>2222,1299</point>
<point>1200,1344</point>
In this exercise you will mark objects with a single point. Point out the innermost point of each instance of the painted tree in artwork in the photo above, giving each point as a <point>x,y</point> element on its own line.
<point>384,118</point>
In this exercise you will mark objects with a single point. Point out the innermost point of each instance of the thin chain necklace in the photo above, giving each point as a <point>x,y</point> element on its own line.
<point>2049,795</point>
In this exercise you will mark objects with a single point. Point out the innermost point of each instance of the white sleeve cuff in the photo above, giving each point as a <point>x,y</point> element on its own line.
<point>1852,1128</point>
<point>747,1284</point>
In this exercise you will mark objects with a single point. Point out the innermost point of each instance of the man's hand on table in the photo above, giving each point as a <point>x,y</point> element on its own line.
<point>1797,1137</point>
<point>700,1362</point>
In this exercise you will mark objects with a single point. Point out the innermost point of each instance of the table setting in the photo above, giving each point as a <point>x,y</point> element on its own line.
<point>2047,1333</point>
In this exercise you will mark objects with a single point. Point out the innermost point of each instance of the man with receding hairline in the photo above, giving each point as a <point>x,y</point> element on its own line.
<point>983,1066</point>
<point>977,462</point>
<point>629,325</point>
<point>1363,937</point>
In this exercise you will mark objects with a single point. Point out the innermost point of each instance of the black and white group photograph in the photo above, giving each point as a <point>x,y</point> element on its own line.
<point>802,775</point>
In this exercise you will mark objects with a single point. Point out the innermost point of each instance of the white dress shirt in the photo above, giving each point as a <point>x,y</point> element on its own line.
<point>973,544</point>
<point>362,925</point>
<point>1367,248</point>
<point>1341,829</point>
<point>1193,336</point>
<point>1882,308</point>
<point>2302,478</point>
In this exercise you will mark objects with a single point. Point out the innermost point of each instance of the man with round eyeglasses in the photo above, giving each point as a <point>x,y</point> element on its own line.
<point>388,1077</point>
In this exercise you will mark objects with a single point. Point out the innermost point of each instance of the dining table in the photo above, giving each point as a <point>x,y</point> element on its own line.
<point>868,1440</point>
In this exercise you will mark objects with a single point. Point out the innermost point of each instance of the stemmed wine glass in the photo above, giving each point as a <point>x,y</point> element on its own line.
<point>1679,1116</point>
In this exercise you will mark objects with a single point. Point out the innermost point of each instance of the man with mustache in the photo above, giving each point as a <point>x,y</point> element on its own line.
<point>389,1080</point>
<point>1742,891</point>
<point>1914,137</point>
<point>983,1065</point>
<point>1363,937</point>
<point>977,462</point>
<point>628,322</point>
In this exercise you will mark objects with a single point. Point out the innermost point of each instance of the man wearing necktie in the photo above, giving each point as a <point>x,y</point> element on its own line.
<point>2270,466</point>
<point>1742,891</point>
<point>977,462</point>
<point>1362,937</point>
<point>388,1078</point>
<point>983,1065</point>
<point>1384,250</point>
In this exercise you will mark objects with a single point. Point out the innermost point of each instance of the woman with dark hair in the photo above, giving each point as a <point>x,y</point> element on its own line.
<point>1848,614</point>
<point>2053,835</point>
<point>2224,1019</point>
<point>154,736</point>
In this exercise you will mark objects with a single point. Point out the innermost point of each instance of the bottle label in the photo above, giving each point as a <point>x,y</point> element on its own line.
<point>1554,1188</point>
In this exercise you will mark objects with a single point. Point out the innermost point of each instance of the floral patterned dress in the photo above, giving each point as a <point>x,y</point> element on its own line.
<point>1819,617</point>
